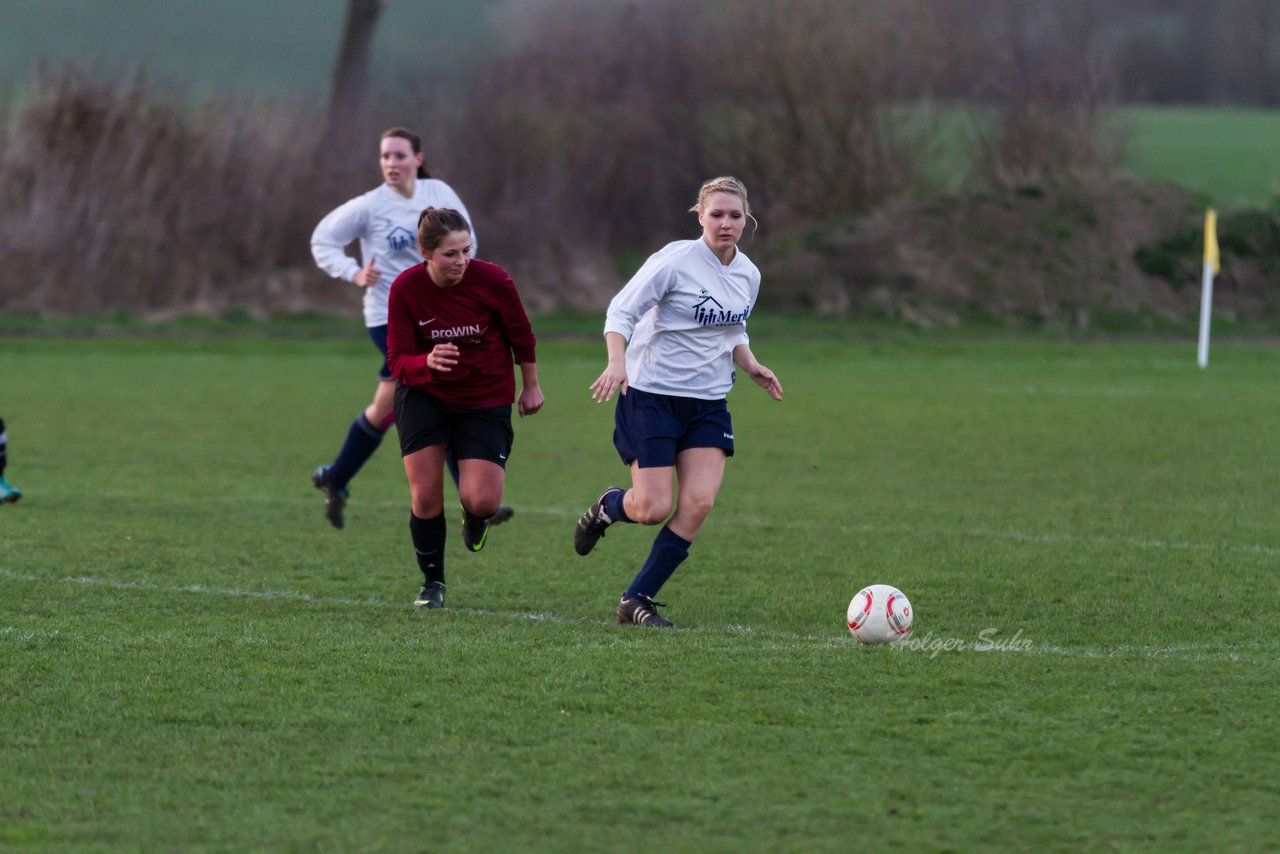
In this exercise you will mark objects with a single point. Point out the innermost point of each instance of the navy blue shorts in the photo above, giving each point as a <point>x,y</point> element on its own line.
<point>378,334</point>
<point>422,419</point>
<point>652,428</point>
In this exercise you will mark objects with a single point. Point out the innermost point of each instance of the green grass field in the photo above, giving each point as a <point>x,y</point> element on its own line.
<point>193,660</point>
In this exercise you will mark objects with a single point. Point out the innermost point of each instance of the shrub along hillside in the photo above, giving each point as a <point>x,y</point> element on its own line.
<point>1071,252</point>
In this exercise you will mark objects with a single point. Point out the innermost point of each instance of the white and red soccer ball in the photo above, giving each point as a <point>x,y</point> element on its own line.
<point>880,613</point>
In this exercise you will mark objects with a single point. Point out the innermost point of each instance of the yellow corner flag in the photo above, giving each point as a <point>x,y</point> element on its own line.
<point>1211,239</point>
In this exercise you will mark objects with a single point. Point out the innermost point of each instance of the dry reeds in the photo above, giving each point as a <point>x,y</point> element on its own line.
<point>114,197</point>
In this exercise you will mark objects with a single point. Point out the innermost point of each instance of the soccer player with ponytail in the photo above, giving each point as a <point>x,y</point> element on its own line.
<point>456,327</point>
<point>674,336</point>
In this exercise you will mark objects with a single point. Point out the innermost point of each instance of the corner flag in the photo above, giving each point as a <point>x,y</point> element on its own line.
<point>1211,267</point>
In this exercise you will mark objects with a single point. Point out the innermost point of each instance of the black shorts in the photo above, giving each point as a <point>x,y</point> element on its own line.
<point>473,434</point>
<point>652,429</point>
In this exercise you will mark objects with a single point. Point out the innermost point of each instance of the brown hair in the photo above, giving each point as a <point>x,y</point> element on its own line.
<point>434,224</point>
<point>414,140</point>
<point>724,184</point>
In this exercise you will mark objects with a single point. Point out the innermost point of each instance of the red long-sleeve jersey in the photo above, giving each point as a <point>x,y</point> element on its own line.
<point>482,314</point>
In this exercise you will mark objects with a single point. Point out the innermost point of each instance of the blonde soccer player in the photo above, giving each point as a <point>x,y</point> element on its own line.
<point>675,335</point>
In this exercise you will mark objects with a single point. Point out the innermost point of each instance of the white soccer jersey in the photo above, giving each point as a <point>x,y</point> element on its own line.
<point>682,314</point>
<point>386,224</point>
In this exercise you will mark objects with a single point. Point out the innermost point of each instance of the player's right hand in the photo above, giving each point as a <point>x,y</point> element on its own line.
<point>443,357</point>
<point>369,274</point>
<point>613,378</point>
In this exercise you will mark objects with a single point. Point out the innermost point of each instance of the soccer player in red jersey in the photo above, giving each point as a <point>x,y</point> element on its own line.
<point>455,325</point>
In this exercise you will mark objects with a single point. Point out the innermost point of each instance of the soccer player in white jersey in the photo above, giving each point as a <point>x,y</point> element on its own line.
<point>674,335</point>
<point>385,221</point>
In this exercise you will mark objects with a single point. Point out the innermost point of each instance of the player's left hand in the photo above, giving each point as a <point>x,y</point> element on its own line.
<point>765,378</point>
<point>530,400</point>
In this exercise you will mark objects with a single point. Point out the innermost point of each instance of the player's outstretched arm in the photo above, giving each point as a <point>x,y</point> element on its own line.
<point>760,375</point>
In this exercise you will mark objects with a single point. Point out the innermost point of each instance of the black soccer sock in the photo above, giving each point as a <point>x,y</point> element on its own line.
<point>4,448</point>
<point>428,544</point>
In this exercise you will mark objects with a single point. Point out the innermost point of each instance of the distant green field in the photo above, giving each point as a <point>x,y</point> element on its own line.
<point>283,47</point>
<point>193,660</point>
<point>1231,156</point>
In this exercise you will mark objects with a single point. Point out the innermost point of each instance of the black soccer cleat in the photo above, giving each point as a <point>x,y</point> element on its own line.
<point>504,514</point>
<point>335,500</point>
<point>642,611</point>
<point>592,524</point>
<point>475,530</point>
<point>430,596</point>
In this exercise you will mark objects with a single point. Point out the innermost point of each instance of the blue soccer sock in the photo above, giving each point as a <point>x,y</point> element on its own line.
<point>362,440</point>
<point>613,506</point>
<point>451,462</point>
<point>428,544</point>
<point>668,552</point>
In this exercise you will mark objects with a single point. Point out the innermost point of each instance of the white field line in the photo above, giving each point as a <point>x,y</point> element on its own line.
<point>977,533</point>
<point>769,639</point>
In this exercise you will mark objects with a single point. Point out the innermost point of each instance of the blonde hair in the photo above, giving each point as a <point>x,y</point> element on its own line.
<point>724,184</point>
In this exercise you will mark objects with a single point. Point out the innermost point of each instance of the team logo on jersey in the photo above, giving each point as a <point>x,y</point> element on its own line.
<point>400,238</point>
<point>709,312</point>
<point>470,332</point>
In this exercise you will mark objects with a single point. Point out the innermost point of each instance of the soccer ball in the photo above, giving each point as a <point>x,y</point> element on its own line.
<point>880,614</point>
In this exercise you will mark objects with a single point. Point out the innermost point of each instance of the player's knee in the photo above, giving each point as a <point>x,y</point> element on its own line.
<point>425,508</point>
<point>647,510</point>
<point>696,505</point>
<point>483,507</point>
<point>480,501</point>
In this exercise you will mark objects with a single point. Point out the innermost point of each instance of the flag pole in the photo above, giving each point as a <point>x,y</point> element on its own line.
<point>1206,283</point>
